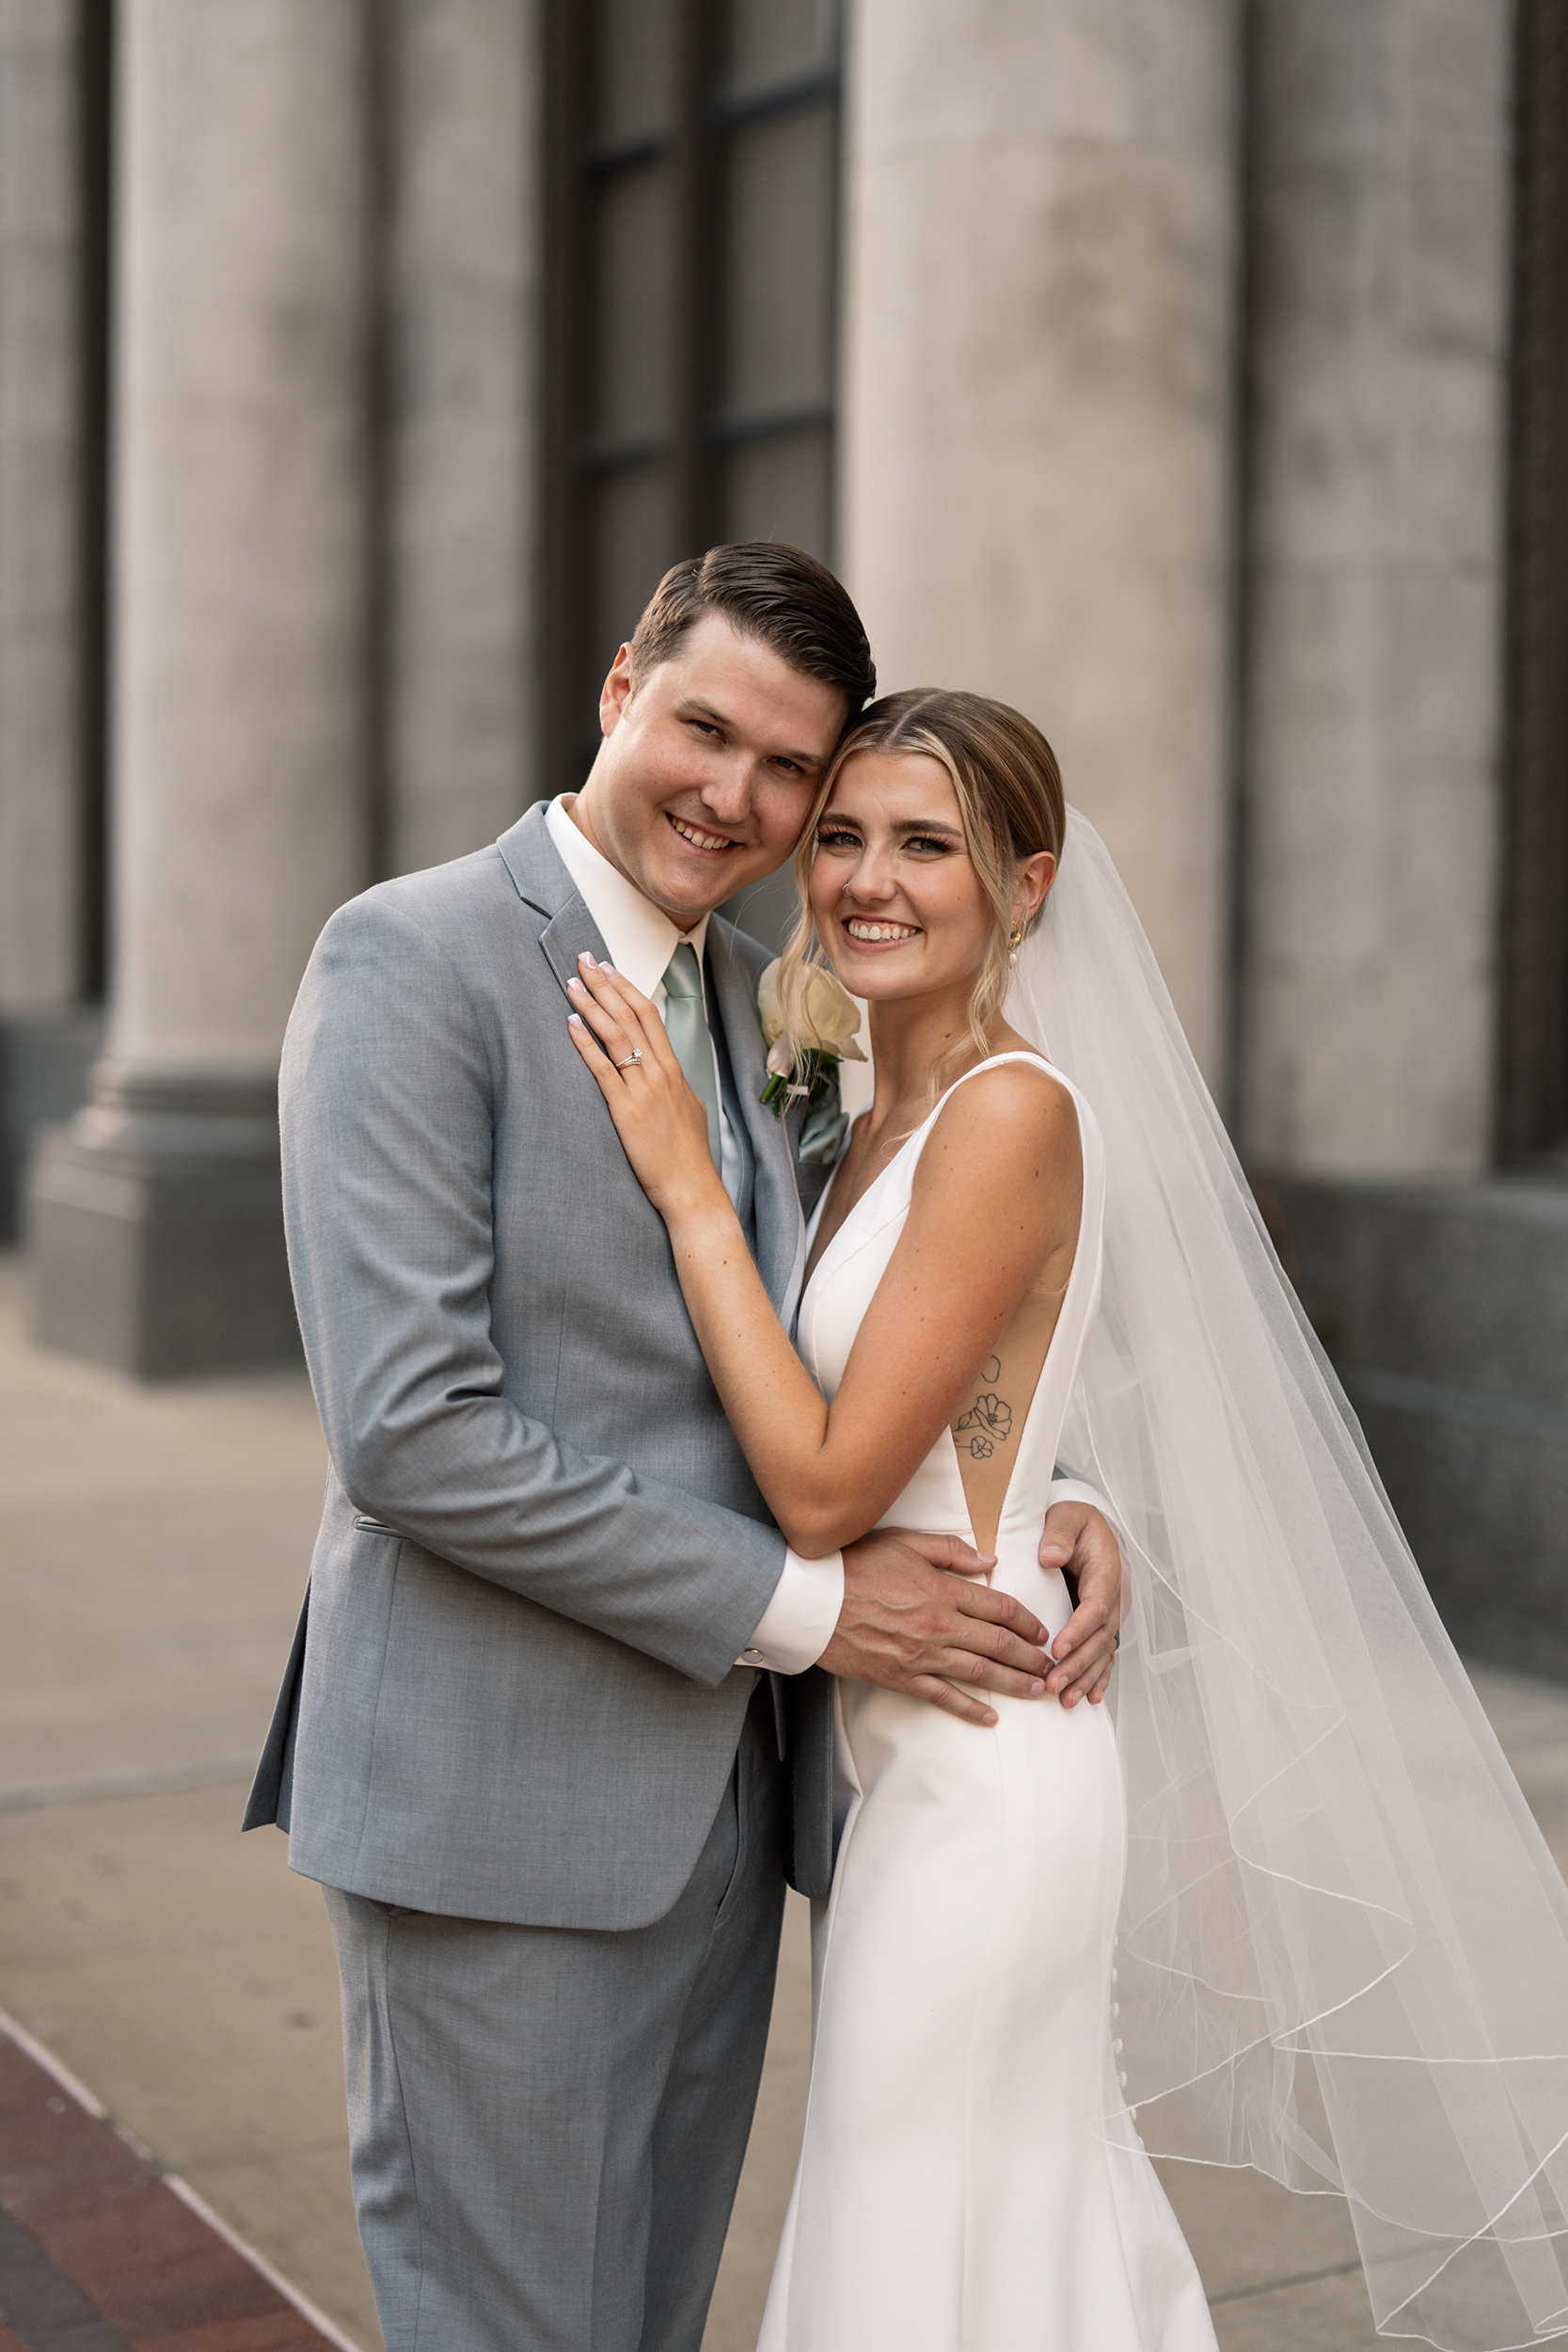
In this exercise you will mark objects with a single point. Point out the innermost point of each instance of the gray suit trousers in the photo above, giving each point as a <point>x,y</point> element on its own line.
<point>548,2123</point>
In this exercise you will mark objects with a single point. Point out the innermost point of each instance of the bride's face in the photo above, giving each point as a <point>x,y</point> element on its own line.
<point>897,903</point>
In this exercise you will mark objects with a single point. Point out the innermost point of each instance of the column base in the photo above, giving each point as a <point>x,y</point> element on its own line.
<point>156,1226</point>
<point>1445,1309</point>
<point>45,1058</point>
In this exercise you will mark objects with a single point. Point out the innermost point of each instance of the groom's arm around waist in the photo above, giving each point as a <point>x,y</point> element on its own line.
<point>388,1099</point>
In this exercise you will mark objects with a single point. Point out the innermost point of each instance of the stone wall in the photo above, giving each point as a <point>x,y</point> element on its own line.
<point>47,1038</point>
<point>1382,146</point>
<point>1445,1308</point>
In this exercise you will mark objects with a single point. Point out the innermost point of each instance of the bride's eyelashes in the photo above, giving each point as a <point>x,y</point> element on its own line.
<point>839,838</point>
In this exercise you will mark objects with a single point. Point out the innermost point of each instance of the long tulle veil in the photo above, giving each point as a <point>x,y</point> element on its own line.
<point>1343,1947</point>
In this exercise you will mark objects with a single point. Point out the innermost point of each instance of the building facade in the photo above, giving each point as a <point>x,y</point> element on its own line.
<point>1193,373</point>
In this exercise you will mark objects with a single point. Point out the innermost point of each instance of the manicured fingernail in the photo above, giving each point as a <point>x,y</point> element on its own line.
<point>1036,1690</point>
<point>572,1021</point>
<point>585,957</point>
<point>575,987</point>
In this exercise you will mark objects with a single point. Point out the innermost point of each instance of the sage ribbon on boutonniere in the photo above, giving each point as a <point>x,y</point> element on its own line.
<point>802,1061</point>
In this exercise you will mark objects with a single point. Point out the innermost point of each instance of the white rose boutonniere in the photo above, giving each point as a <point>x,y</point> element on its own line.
<point>802,1063</point>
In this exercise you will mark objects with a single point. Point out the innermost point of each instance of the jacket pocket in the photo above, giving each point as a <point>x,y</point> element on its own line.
<point>376,1527</point>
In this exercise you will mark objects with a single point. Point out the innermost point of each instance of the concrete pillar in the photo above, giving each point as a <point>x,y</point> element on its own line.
<point>1383,154</point>
<point>1036,434</point>
<point>463,268</point>
<point>245,272</point>
<point>46,1034</point>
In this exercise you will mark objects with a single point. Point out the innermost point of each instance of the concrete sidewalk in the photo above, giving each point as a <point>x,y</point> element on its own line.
<point>154,1547</point>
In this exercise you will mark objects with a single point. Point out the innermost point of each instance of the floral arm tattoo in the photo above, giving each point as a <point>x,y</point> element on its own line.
<point>989,1421</point>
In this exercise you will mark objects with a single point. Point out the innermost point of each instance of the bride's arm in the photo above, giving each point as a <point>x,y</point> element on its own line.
<point>996,1198</point>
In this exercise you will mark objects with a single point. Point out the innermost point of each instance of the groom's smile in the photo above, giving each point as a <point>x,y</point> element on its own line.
<point>709,766</point>
<point>710,844</point>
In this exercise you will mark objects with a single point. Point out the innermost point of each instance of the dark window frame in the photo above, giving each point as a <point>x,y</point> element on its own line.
<point>95,51</point>
<point>703,434</point>
<point>1532,1058</point>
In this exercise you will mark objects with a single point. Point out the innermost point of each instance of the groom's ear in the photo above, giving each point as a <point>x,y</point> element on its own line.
<point>616,691</point>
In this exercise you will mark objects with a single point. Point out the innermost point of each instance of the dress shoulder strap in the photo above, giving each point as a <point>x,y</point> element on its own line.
<point>1087,1127</point>
<point>995,1061</point>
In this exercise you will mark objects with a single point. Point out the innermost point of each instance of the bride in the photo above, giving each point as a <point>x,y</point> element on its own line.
<point>1313,1928</point>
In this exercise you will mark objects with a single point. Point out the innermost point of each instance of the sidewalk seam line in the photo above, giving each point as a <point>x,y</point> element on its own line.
<point>32,2048</point>
<point>174,1780</point>
<point>1274,2286</point>
<point>44,2058</point>
<point>275,2279</point>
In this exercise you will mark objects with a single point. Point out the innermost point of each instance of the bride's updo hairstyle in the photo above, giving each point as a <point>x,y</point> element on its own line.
<point>1009,794</point>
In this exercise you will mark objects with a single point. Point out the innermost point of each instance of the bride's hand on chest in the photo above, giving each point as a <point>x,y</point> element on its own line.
<point>659,1120</point>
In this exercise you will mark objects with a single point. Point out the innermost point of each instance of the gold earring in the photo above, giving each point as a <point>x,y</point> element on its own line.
<point>1015,941</point>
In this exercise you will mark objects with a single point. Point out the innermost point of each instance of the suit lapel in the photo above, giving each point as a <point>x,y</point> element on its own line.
<point>542,882</point>
<point>569,934</point>
<point>781,1229</point>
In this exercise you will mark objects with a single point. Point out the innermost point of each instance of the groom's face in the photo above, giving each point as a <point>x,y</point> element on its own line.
<point>708,767</point>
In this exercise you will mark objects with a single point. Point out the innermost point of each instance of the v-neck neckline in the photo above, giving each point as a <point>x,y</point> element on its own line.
<point>1013,1053</point>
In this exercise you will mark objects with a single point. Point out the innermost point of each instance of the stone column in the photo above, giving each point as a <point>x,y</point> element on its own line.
<point>1383,154</point>
<point>463,270</point>
<point>46,1033</point>
<point>1383,147</point>
<point>1037,435</point>
<point>244,270</point>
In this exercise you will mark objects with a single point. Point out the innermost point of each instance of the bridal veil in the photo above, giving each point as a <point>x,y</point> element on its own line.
<point>1343,1947</point>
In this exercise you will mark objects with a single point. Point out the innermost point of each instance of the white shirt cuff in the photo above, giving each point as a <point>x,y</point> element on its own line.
<point>799,1622</point>
<point>1077,1491</point>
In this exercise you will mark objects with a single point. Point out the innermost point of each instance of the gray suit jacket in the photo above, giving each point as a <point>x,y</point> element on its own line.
<point>512,1694</point>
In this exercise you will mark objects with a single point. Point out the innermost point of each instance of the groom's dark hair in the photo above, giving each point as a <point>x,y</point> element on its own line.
<point>782,597</point>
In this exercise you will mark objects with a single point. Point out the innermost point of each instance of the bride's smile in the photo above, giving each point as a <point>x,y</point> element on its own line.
<point>898,906</point>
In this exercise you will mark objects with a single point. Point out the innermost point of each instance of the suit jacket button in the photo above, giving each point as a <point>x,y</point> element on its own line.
<point>752,1656</point>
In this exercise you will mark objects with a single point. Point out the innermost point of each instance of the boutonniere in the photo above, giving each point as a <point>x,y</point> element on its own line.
<point>802,1061</point>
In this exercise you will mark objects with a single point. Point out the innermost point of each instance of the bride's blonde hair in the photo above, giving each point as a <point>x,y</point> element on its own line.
<point>1009,794</point>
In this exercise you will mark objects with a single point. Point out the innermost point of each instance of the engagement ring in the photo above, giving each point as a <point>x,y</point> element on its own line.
<point>630,1059</point>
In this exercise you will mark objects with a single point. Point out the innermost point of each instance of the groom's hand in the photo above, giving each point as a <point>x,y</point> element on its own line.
<point>914,1620</point>
<point>1081,1541</point>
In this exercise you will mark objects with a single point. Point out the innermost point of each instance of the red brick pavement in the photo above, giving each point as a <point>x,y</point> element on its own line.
<point>101,2252</point>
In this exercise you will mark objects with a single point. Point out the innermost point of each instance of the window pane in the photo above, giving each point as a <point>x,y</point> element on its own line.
<point>639,61</point>
<point>634,361</point>
<point>780,276</point>
<point>636,541</point>
<point>775,41</point>
<point>781,489</point>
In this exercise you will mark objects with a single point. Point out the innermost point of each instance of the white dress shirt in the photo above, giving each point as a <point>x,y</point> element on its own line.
<point>799,1621</point>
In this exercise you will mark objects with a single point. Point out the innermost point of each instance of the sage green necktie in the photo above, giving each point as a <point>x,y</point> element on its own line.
<point>686,1025</point>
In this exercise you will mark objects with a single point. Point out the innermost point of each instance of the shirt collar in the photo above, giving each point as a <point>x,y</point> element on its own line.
<point>640,936</point>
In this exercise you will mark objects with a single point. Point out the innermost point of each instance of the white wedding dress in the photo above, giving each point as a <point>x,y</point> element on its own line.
<point>970,2179</point>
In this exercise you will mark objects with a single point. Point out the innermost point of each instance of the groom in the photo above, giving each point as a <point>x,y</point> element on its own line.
<point>547,1736</point>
